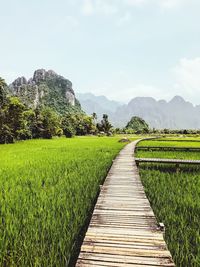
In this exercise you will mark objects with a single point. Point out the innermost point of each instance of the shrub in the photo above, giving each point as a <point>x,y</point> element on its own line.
<point>69,131</point>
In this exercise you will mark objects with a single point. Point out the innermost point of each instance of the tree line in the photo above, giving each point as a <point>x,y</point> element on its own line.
<point>19,122</point>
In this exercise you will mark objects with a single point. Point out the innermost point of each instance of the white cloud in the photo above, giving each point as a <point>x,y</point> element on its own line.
<point>88,7</point>
<point>72,21</point>
<point>124,19</point>
<point>135,2</point>
<point>161,3</point>
<point>187,77</point>
<point>110,7</point>
<point>105,7</point>
<point>170,3</point>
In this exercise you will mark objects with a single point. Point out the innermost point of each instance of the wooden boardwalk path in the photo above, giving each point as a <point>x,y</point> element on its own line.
<point>167,148</point>
<point>123,230</point>
<point>167,161</point>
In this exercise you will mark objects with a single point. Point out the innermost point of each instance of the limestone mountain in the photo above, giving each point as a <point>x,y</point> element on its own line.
<point>138,125</point>
<point>46,88</point>
<point>175,114</point>
<point>99,104</point>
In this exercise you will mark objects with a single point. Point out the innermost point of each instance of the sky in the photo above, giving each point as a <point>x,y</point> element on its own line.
<point>117,48</point>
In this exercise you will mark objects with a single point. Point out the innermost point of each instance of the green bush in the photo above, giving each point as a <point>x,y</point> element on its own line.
<point>6,135</point>
<point>69,131</point>
<point>23,134</point>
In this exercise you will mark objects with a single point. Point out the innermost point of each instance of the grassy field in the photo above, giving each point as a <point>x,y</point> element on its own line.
<point>47,188</point>
<point>175,199</point>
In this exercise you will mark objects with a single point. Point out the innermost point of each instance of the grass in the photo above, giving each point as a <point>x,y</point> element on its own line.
<point>175,199</point>
<point>47,188</point>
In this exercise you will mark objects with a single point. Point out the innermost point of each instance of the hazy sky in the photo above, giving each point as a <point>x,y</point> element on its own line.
<point>119,48</point>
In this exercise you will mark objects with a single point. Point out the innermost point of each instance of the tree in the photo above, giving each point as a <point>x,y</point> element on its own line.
<point>77,124</point>
<point>105,126</point>
<point>2,91</point>
<point>68,125</point>
<point>50,122</point>
<point>94,116</point>
<point>14,112</point>
<point>138,125</point>
<point>13,121</point>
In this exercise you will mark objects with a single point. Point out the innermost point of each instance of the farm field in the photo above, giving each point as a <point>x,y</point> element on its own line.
<point>175,199</point>
<point>47,189</point>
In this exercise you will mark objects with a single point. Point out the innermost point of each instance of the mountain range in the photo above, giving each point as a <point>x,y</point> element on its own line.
<point>47,88</point>
<point>175,114</point>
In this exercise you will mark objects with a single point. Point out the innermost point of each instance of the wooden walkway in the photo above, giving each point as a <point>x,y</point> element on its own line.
<point>173,140</point>
<point>123,231</point>
<point>167,148</point>
<point>167,161</point>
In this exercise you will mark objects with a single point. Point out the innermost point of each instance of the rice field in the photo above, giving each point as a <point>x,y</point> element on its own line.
<point>175,199</point>
<point>47,189</point>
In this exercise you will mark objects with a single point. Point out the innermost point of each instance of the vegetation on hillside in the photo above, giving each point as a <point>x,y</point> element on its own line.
<point>138,125</point>
<point>20,122</point>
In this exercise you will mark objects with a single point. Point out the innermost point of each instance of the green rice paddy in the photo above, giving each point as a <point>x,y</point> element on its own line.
<point>175,199</point>
<point>47,189</point>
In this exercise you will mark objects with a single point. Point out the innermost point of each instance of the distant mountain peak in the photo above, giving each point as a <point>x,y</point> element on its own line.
<point>42,75</point>
<point>98,104</point>
<point>141,100</point>
<point>177,99</point>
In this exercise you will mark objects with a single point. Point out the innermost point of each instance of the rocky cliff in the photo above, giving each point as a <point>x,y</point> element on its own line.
<point>45,88</point>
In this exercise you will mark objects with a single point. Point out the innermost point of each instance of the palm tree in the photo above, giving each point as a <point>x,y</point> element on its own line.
<point>94,116</point>
<point>2,83</point>
<point>2,92</point>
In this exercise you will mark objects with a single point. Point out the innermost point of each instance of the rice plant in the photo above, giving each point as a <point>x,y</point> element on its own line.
<point>175,199</point>
<point>47,188</point>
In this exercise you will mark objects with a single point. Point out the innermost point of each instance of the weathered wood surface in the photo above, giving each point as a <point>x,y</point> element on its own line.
<point>174,140</point>
<point>167,148</point>
<point>123,230</point>
<point>167,161</point>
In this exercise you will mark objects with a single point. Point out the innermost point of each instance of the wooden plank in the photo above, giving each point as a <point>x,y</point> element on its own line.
<point>174,140</point>
<point>167,161</point>
<point>167,148</point>
<point>123,230</point>
<point>120,259</point>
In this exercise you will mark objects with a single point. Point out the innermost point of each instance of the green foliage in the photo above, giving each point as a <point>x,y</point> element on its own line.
<point>14,115</point>
<point>2,91</point>
<point>69,131</point>
<point>47,189</point>
<point>77,124</point>
<point>23,134</point>
<point>13,121</point>
<point>18,122</point>
<point>104,126</point>
<point>6,135</point>
<point>138,125</point>
<point>59,132</point>
<point>50,122</point>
